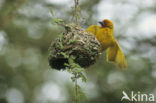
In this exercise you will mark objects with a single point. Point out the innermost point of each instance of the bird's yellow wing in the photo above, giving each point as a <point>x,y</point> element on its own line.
<point>93,29</point>
<point>115,54</point>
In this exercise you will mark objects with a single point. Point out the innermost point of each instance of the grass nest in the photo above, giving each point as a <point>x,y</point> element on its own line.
<point>76,42</point>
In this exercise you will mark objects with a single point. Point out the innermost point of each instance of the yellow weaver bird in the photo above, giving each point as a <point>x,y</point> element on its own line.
<point>105,35</point>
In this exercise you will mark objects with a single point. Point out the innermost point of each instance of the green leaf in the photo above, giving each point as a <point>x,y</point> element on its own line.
<point>68,70</point>
<point>71,41</point>
<point>61,46</point>
<point>76,70</point>
<point>52,12</point>
<point>53,21</point>
<point>71,60</point>
<point>64,55</point>
<point>66,64</point>
<point>83,77</point>
<point>59,20</point>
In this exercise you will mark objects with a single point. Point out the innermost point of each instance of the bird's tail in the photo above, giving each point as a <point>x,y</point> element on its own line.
<point>114,54</point>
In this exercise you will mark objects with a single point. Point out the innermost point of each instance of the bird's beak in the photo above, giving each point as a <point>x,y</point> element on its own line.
<point>100,22</point>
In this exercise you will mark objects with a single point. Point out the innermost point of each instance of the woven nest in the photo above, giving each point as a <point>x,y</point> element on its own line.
<point>76,42</point>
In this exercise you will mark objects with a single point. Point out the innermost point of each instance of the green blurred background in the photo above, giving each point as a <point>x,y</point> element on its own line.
<point>26,33</point>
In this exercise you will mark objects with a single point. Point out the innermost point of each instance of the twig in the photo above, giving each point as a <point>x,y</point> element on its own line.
<point>76,89</point>
<point>75,11</point>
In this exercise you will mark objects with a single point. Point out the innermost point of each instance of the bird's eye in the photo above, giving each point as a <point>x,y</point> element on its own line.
<point>102,23</point>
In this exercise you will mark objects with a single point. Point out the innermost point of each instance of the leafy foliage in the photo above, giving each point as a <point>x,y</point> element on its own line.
<point>77,72</point>
<point>55,20</point>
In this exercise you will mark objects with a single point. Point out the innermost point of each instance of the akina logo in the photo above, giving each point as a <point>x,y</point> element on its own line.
<point>137,97</point>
